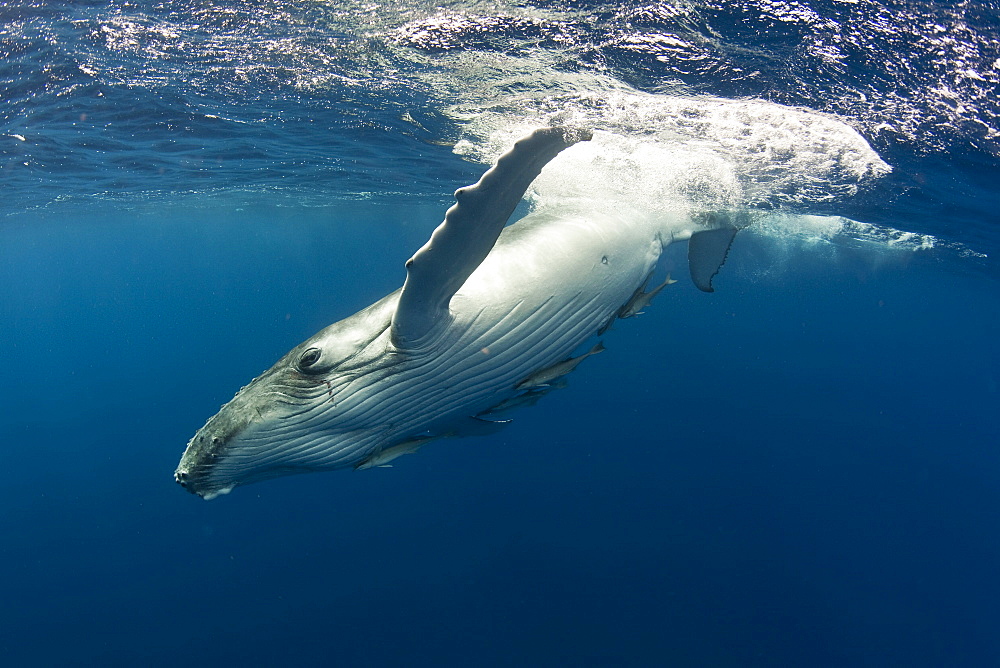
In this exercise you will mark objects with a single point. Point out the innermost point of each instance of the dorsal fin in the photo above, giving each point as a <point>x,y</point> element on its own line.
<point>470,228</point>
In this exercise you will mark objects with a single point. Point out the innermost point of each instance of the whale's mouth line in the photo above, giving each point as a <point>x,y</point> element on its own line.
<point>282,415</point>
<point>310,441</point>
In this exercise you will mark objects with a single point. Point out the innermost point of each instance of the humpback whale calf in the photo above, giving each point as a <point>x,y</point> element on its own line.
<point>485,310</point>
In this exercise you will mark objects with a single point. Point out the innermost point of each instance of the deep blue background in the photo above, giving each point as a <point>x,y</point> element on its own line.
<point>799,469</point>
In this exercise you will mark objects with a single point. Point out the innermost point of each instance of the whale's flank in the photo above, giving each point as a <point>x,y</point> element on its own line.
<point>488,319</point>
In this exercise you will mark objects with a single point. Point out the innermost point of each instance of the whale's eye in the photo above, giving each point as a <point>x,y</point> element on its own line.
<point>309,358</point>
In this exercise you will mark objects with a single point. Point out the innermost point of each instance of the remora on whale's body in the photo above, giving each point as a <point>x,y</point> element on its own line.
<point>483,308</point>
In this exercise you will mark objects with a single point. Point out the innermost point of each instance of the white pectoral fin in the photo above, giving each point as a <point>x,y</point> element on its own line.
<point>469,231</point>
<point>707,251</point>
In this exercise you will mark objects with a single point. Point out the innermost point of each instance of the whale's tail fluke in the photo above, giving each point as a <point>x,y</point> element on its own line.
<point>708,249</point>
<point>707,252</point>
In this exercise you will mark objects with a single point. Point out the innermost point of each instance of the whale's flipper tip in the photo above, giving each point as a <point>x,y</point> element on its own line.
<point>707,252</point>
<point>572,134</point>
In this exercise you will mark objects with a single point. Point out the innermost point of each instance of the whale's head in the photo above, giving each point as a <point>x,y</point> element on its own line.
<point>313,410</point>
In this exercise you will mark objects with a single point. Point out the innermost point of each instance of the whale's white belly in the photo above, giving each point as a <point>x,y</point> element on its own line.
<point>545,289</point>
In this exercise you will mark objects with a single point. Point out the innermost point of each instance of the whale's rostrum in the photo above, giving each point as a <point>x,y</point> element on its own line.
<point>484,309</point>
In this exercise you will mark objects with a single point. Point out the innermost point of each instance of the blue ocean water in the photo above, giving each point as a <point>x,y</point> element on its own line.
<point>798,469</point>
